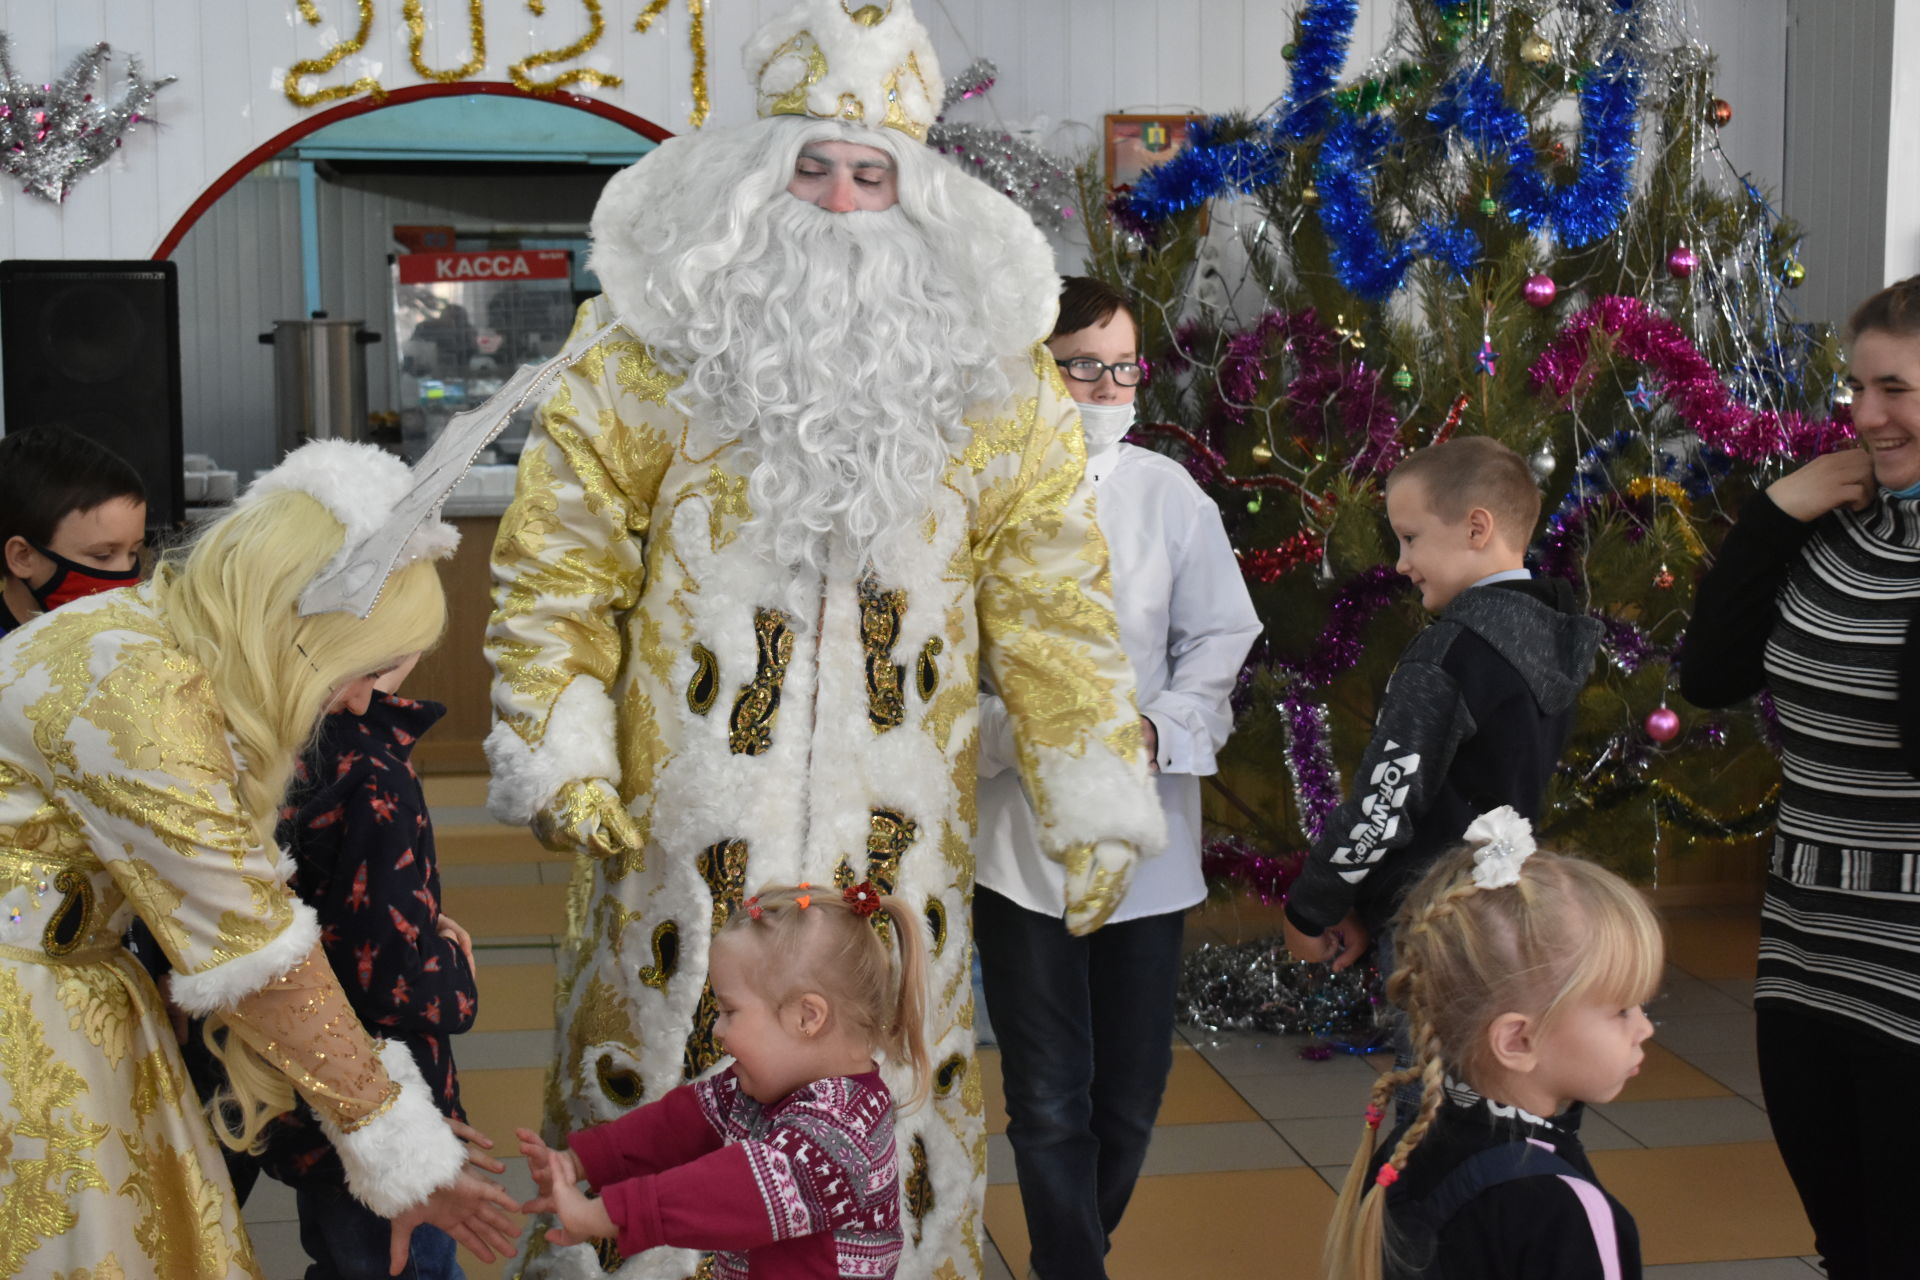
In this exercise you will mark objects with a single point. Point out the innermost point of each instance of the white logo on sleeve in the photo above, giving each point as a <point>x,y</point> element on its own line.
<point>1392,779</point>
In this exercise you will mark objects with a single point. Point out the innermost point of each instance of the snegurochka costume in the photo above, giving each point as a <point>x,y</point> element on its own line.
<point>640,639</point>
<point>117,797</point>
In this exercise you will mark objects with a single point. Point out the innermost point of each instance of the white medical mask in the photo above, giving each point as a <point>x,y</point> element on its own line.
<point>1105,424</point>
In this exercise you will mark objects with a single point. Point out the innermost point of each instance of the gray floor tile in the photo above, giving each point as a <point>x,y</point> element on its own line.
<point>1334,1175</point>
<point>1689,1122</point>
<point>1683,995</point>
<point>480,875</point>
<point>1295,1096</point>
<point>493,951</point>
<point>492,1050</point>
<point>271,1201</point>
<point>1250,1053</point>
<point>1813,1265</point>
<point>277,1246</point>
<point>1322,1140</point>
<point>1181,1148</point>
<point>1749,1269</point>
<point>1597,1133</point>
<point>1703,1033</point>
<point>1738,1070</point>
<point>464,815</point>
<point>1217,1148</point>
<point>1740,989</point>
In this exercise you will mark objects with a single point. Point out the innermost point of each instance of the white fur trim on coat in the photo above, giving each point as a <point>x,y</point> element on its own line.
<point>407,1152</point>
<point>231,981</point>
<point>578,743</point>
<point>360,484</point>
<point>1098,796</point>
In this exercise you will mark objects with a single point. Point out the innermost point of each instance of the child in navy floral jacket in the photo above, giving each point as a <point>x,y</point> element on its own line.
<point>356,825</point>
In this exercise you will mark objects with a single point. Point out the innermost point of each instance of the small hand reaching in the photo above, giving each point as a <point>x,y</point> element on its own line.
<point>537,1152</point>
<point>581,1219</point>
<point>449,928</point>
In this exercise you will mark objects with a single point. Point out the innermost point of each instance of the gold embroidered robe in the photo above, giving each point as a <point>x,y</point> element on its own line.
<point>637,638</point>
<point>117,796</point>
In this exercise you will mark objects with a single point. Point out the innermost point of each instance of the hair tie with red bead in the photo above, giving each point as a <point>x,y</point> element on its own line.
<point>753,906</point>
<point>863,898</point>
<point>1387,1176</point>
<point>1374,1116</point>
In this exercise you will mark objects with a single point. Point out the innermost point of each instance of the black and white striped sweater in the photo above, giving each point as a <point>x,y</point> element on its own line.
<point>1820,614</point>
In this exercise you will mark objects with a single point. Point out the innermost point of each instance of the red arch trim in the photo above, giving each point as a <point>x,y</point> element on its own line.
<point>361,106</point>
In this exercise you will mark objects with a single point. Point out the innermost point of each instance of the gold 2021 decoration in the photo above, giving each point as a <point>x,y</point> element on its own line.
<point>521,73</point>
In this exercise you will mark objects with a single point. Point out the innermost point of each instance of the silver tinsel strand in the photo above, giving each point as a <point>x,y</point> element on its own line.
<point>1033,177</point>
<point>1256,986</point>
<point>53,134</point>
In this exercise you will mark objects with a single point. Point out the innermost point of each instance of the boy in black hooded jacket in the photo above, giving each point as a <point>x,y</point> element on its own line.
<point>1477,711</point>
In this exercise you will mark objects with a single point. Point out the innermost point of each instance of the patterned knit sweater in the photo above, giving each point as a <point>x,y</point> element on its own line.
<point>805,1187</point>
<point>1819,614</point>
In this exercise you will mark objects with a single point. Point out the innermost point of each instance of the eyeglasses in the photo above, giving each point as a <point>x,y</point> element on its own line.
<point>1127,373</point>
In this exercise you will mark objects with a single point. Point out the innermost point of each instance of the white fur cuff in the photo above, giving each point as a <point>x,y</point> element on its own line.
<point>1095,797</point>
<point>226,984</point>
<point>404,1154</point>
<point>578,743</point>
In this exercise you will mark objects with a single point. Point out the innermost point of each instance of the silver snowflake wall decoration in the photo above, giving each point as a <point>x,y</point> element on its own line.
<point>51,135</point>
<point>1032,176</point>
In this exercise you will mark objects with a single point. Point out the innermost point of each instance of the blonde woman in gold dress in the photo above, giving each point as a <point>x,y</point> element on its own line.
<point>146,737</point>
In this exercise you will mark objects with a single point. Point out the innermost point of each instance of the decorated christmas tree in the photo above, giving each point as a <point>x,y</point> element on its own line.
<point>1516,222</point>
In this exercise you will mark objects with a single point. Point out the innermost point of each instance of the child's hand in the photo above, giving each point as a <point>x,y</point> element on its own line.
<point>449,928</point>
<point>581,1219</point>
<point>539,1156</point>
<point>1339,946</point>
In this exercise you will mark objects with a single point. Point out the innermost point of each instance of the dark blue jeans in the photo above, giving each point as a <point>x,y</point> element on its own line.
<point>348,1241</point>
<point>1086,1042</point>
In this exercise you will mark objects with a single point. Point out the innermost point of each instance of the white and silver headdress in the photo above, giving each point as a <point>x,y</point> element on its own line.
<point>1506,841</point>
<point>392,511</point>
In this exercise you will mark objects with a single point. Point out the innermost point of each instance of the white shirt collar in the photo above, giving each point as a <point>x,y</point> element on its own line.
<point>1506,575</point>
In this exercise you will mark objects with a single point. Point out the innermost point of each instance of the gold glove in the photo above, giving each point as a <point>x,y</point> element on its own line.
<point>587,816</point>
<point>1097,879</point>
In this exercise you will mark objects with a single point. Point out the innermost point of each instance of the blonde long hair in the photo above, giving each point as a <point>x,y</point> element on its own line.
<point>812,939</point>
<point>231,597</point>
<point>1569,931</point>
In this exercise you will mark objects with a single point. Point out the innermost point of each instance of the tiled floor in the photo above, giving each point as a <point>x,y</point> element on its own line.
<point>1252,1138</point>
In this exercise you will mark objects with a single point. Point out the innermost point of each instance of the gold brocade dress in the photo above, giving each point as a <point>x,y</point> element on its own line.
<point>116,797</point>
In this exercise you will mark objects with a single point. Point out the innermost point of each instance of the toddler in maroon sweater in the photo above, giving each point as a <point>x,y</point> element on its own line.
<point>782,1166</point>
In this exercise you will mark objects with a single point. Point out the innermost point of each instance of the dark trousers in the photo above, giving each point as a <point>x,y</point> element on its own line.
<point>1086,1042</point>
<point>348,1241</point>
<point>1836,1098</point>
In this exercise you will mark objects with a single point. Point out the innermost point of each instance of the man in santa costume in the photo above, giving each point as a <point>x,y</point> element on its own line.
<point>812,473</point>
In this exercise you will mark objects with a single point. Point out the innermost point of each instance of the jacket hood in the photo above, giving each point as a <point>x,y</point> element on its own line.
<point>1554,659</point>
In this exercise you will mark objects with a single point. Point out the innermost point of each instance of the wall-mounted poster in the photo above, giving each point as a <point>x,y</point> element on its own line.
<point>1136,144</point>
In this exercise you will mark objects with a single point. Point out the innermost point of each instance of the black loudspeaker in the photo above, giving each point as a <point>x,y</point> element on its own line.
<point>95,347</point>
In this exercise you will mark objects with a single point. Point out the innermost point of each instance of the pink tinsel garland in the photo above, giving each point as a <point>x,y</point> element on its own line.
<point>1688,382</point>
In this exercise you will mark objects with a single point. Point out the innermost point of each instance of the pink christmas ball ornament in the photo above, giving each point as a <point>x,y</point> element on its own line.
<point>1663,725</point>
<point>1682,261</point>
<point>1540,291</point>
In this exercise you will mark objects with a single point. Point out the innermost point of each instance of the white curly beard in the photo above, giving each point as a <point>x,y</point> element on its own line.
<point>842,353</point>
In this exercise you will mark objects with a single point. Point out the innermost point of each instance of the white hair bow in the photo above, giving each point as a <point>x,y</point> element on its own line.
<point>1506,841</point>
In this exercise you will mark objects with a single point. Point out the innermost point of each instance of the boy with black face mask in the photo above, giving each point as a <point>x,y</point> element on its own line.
<point>73,519</point>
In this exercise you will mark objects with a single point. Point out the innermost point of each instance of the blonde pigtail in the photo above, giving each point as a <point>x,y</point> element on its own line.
<point>905,1037</point>
<point>1355,1236</point>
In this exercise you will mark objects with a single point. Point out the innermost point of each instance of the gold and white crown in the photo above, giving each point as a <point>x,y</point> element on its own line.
<point>868,64</point>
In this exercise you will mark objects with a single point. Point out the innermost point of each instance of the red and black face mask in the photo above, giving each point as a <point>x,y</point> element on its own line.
<point>72,581</point>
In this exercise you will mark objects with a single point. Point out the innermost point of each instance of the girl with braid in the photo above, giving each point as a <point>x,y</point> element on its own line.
<point>1522,975</point>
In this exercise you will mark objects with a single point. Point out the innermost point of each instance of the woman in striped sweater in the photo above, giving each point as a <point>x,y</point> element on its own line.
<point>1813,597</point>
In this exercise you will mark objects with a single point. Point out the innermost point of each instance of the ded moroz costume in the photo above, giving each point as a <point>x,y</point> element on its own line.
<point>806,472</point>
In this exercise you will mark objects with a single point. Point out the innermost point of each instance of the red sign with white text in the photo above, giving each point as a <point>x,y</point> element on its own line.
<point>488,264</point>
